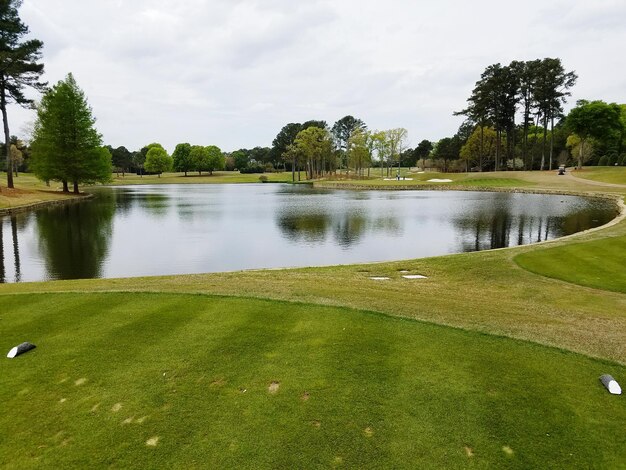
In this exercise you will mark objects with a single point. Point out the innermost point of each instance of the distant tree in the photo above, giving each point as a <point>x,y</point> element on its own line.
<point>199,156</point>
<point>314,123</point>
<point>396,140</point>
<point>18,68</point>
<point>158,161</point>
<point>316,146</point>
<point>480,148</point>
<point>447,149</point>
<point>423,150</point>
<point>284,139</point>
<point>342,130</point>
<point>593,119</point>
<point>358,150</point>
<point>550,92</point>
<point>122,158</point>
<point>66,146</point>
<point>182,158</point>
<point>577,148</point>
<point>293,154</point>
<point>207,158</point>
<point>215,161</point>
<point>241,158</point>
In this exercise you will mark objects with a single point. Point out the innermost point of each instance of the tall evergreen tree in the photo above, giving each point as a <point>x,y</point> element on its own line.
<point>342,130</point>
<point>551,91</point>
<point>66,146</point>
<point>18,67</point>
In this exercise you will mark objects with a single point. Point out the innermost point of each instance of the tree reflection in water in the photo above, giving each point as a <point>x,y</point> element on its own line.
<point>74,239</point>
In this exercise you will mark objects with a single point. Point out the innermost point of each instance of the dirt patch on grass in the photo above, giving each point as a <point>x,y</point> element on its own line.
<point>368,432</point>
<point>218,383</point>
<point>305,396</point>
<point>316,424</point>
<point>273,387</point>
<point>153,441</point>
<point>507,450</point>
<point>469,451</point>
<point>80,381</point>
<point>117,407</point>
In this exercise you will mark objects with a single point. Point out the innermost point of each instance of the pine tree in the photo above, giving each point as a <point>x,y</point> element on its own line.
<point>66,146</point>
<point>18,68</point>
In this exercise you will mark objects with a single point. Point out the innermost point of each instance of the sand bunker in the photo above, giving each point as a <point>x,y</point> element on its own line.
<point>437,180</point>
<point>414,276</point>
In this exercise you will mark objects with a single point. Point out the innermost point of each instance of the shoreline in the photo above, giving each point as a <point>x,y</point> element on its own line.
<point>8,211</point>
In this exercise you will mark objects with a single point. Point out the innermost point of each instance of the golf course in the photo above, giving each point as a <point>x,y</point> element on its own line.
<point>489,359</point>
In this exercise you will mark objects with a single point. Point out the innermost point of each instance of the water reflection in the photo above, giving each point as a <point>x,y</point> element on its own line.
<point>141,230</point>
<point>345,229</point>
<point>74,239</point>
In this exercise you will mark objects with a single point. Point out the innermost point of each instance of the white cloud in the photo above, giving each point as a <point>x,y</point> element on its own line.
<point>232,73</point>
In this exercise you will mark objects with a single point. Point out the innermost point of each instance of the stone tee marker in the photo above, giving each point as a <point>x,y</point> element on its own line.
<point>611,384</point>
<point>20,349</point>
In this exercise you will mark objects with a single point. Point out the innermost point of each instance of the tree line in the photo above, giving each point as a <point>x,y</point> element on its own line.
<point>514,121</point>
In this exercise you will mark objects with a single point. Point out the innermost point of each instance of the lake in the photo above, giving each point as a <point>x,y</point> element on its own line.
<point>176,229</point>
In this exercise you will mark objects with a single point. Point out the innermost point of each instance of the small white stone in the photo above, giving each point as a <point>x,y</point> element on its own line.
<point>12,353</point>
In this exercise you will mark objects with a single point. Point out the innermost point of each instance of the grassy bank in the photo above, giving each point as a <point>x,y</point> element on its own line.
<point>218,177</point>
<point>180,381</point>
<point>28,191</point>
<point>605,174</point>
<point>492,361</point>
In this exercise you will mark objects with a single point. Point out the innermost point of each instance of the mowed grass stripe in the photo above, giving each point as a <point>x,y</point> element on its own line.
<point>600,264</point>
<point>383,392</point>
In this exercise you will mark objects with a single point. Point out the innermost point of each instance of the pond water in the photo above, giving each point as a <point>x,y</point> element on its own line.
<point>176,229</point>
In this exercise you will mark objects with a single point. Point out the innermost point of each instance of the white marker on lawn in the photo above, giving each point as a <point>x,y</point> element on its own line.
<point>611,384</point>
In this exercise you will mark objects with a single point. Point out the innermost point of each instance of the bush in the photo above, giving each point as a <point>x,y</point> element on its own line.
<point>263,179</point>
<point>604,161</point>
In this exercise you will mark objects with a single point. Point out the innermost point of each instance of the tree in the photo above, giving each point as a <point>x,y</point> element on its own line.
<point>215,160</point>
<point>593,119</point>
<point>66,145</point>
<point>342,130</point>
<point>182,158</point>
<point>422,151</point>
<point>206,158</point>
<point>552,83</point>
<point>284,139</point>
<point>18,68</point>
<point>480,147</point>
<point>158,161</point>
<point>358,150</point>
<point>396,139</point>
<point>446,149</point>
<point>315,145</point>
<point>122,158</point>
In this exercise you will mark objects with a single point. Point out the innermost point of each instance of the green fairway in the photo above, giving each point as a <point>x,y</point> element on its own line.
<point>600,264</point>
<point>185,381</point>
<point>606,174</point>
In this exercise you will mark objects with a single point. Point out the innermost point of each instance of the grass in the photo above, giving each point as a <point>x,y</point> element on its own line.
<point>605,174</point>
<point>180,381</point>
<point>218,177</point>
<point>600,264</point>
<point>28,191</point>
<point>499,370</point>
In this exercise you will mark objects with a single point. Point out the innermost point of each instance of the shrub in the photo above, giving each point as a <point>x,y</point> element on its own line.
<point>604,161</point>
<point>263,179</point>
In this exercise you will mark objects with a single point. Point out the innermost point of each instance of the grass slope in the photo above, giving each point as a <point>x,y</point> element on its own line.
<point>183,381</point>
<point>28,190</point>
<point>600,264</point>
<point>605,174</point>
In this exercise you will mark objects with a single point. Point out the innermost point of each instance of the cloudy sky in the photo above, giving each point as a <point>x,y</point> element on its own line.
<point>233,72</point>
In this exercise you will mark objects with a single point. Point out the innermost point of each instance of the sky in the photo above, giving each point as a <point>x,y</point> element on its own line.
<point>231,73</point>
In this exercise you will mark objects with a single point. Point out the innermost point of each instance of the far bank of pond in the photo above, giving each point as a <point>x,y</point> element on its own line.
<point>175,229</point>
